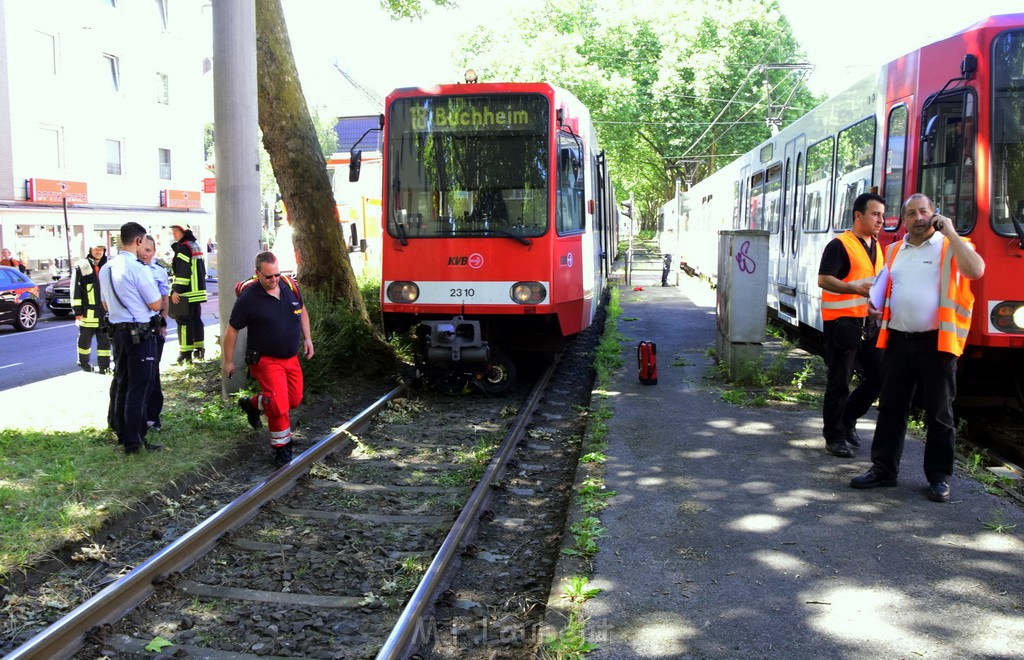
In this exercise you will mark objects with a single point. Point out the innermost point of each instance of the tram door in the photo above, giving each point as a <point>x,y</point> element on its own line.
<point>789,231</point>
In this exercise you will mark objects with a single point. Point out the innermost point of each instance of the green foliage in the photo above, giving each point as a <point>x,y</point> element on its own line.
<point>663,79</point>
<point>577,591</point>
<point>59,487</point>
<point>342,341</point>
<point>571,642</point>
<point>585,533</point>
<point>997,524</point>
<point>592,495</point>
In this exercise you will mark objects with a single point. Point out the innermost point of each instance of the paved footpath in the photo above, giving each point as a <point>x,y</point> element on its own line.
<point>735,535</point>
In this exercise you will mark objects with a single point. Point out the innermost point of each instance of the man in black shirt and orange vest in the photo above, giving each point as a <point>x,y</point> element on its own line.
<point>270,306</point>
<point>848,268</point>
<point>926,316</point>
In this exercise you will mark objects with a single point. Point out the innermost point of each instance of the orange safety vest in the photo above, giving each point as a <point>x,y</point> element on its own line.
<point>956,301</point>
<point>838,305</point>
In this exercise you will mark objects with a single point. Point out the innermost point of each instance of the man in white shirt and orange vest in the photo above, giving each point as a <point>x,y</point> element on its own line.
<point>925,321</point>
<point>849,265</point>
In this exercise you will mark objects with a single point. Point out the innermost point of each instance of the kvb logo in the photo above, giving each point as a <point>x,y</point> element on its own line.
<point>475,260</point>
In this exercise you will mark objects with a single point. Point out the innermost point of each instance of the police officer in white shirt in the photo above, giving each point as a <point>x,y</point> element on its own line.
<point>132,301</point>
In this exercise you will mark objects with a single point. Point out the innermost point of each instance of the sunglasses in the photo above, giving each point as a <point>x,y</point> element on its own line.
<point>270,276</point>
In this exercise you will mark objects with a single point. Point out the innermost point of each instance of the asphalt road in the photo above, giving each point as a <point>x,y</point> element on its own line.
<point>50,349</point>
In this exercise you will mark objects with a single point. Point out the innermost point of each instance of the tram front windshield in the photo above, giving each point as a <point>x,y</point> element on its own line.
<point>468,166</point>
<point>1008,132</point>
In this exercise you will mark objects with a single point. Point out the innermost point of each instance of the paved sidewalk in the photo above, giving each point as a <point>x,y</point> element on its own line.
<point>735,535</point>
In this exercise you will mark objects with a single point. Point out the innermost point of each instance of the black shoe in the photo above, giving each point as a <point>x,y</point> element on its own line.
<point>185,358</point>
<point>132,449</point>
<point>852,437</point>
<point>938,491</point>
<point>251,411</point>
<point>103,371</point>
<point>839,449</point>
<point>871,480</point>
<point>152,446</point>
<point>198,354</point>
<point>87,368</point>
<point>283,455</point>
<point>154,427</point>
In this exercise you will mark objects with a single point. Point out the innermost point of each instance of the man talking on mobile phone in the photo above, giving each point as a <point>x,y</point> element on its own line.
<point>926,316</point>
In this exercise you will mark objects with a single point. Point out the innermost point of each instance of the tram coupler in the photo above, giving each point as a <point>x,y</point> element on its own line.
<point>454,340</point>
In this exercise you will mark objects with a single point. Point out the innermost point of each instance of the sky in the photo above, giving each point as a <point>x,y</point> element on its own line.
<point>385,54</point>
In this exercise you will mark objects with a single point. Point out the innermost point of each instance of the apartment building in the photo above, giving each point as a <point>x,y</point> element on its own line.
<point>101,123</point>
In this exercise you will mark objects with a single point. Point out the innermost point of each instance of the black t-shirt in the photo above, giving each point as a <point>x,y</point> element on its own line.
<point>275,326</point>
<point>835,261</point>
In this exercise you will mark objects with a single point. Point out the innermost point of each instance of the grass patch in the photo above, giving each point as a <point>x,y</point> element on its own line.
<point>59,487</point>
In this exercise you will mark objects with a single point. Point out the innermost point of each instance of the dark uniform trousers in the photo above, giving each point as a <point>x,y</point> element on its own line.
<point>155,403</point>
<point>913,363</point>
<point>135,368</point>
<point>191,333</point>
<point>845,346</point>
<point>86,334</point>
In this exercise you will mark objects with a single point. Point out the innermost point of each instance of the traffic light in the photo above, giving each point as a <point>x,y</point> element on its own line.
<point>278,209</point>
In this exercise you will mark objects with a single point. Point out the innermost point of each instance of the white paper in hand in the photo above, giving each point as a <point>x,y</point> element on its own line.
<point>878,289</point>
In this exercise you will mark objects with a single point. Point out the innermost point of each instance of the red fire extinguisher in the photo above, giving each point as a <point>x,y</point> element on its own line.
<point>647,357</point>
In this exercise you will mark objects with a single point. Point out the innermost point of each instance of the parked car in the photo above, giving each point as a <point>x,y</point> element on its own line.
<point>19,299</point>
<point>58,297</point>
<point>58,294</point>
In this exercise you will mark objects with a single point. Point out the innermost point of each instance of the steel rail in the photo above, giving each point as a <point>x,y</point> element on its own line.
<point>66,636</point>
<point>410,621</point>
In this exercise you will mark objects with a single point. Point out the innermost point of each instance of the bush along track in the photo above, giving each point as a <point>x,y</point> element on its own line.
<point>567,633</point>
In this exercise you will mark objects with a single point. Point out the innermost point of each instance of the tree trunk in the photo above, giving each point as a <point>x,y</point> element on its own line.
<point>299,165</point>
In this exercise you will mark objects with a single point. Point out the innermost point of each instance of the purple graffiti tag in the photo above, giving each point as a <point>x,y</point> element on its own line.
<point>746,263</point>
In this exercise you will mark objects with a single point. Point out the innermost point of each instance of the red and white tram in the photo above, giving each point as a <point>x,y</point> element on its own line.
<point>499,224</point>
<point>946,120</point>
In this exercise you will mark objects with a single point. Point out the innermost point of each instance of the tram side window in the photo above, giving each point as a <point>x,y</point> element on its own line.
<point>735,203</point>
<point>947,156</point>
<point>818,189</point>
<point>773,199</point>
<point>756,217</point>
<point>855,158</point>
<point>1008,132</point>
<point>895,162</point>
<point>569,194</point>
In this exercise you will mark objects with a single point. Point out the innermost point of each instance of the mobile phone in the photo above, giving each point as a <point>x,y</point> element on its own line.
<point>937,222</point>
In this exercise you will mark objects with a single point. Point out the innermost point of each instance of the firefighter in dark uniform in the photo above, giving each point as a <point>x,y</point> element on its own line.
<point>188,283</point>
<point>88,308</point>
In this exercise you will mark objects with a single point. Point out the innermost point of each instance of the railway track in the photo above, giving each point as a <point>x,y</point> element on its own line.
<point>338,554</point>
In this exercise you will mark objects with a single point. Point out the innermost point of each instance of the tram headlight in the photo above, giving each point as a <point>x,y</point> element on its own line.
<point>1008,316</point>
<point>528,293</point>
<point>403,292</point>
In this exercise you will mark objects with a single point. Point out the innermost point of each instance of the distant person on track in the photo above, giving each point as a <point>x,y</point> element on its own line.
<point>88,309</point>
<point>925,320</point>
<point>849,265</point>
<point>133,304</point>
<point>278,328</point>
<point>155,405</point>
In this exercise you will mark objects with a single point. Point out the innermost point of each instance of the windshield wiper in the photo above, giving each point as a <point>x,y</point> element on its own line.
<point>494,230</point>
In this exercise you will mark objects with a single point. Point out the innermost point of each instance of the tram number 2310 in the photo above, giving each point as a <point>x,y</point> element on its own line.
<point>461,293</point>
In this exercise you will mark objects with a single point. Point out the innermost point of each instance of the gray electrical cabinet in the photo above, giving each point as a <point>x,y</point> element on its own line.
<point>742,296</point>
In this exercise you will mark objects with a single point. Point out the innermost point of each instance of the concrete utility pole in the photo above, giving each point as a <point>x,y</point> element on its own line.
<point>236,139</point>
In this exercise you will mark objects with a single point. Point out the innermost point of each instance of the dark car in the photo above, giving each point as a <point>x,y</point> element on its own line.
<point>19,299</point>
<point>58,297</point>
<point>58,294</point>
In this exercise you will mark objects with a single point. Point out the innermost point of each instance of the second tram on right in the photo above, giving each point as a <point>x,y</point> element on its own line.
<point>946,120</point>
